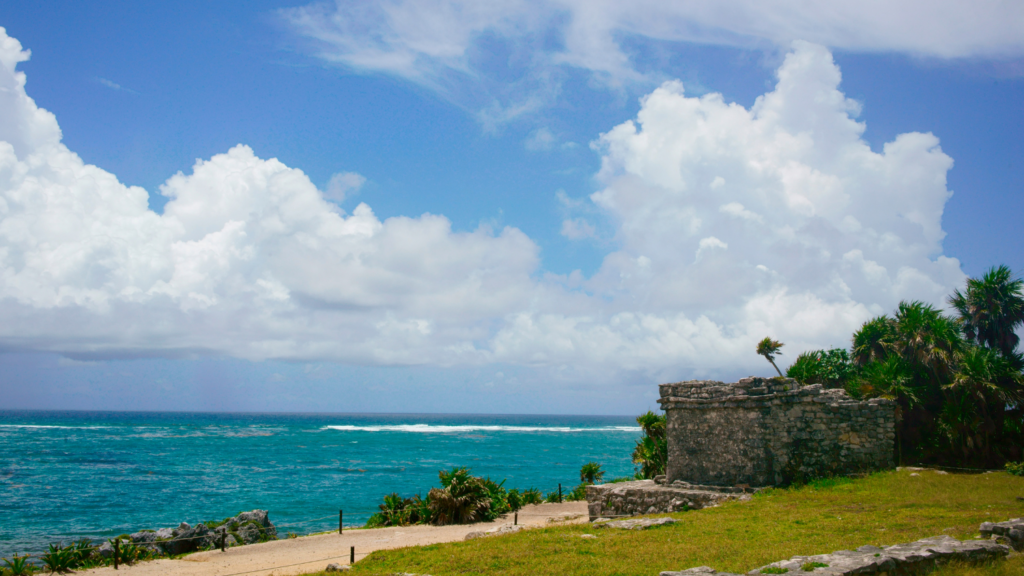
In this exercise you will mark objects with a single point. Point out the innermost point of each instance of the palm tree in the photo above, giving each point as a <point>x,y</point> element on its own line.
<point>871,343</point>
<point>591,473</point>
<point>769,349</point>
<point>991,309</point>
<point>651,451</point>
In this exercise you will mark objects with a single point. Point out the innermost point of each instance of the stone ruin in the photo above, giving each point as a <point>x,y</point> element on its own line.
<point>772,431</point>
<point>726,441</point>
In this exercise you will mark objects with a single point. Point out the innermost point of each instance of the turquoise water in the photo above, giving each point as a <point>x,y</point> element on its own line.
<point>68,475</point>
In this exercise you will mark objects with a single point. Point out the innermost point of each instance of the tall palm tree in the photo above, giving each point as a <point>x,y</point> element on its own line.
<point>769,349</point>
<point>991,308</point>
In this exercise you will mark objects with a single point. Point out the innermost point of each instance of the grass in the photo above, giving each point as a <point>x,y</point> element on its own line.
<point>882,509</point>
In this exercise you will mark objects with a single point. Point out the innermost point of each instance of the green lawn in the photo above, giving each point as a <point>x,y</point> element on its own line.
<point>883,509</point>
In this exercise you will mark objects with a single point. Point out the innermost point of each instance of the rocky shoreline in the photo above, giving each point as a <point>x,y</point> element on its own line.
<point>246,528</point>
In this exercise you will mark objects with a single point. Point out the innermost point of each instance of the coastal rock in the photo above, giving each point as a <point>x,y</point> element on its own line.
<point>475,535</point>
<point>337,568</point>
<point>246,528</point>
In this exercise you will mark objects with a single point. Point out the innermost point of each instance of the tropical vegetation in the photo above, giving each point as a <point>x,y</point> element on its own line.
<point>651,451</point>
<point>464,498</point>
<point>956,380</point>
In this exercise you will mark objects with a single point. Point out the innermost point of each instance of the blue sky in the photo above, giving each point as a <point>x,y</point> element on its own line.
<point>492,116</point>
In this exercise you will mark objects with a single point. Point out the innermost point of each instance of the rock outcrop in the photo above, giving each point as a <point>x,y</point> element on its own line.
<point>1011,530</point>
<point>246,528</point>
<point>914,558</point>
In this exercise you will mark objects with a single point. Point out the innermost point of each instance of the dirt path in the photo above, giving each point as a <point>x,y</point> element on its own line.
<point>312,553</point>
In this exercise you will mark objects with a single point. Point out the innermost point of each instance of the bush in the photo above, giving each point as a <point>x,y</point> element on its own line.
<point>1015,468</point>
<point>461,500</point>
<point>532,496</point>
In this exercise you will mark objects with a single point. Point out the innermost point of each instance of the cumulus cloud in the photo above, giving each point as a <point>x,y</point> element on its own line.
<point>342,184</point>
<point>450,45</point>
<point>730,224</point>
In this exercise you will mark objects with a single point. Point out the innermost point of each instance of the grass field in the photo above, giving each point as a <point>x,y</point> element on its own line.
<point>882,509</point>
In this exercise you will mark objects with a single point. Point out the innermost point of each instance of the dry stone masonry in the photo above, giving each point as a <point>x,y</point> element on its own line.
<point>772,431</point>
<point>653,497</point>
<point>1011,530</point>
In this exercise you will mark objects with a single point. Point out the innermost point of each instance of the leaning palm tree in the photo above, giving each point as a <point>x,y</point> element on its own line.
<point>991,308</point>
<point>769,349</point>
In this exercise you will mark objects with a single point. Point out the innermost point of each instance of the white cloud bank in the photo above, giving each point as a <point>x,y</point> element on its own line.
<point>732,224</point>
<point>454,46</point>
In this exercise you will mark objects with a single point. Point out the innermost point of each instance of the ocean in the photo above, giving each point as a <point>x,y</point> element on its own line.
<point>71,475</point>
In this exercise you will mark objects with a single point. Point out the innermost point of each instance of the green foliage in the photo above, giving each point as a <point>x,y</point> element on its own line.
<point>991,308</point>
<point>774,570</point>
<point>553,497</point>
<point>651,452</point>
<point>532,496</point>
<point>831,368</point>
<point>578,493</point>
<point>810,566</point>
<point>18,565</point>
<point>770,349</point>
<point>59,559</point>
<point>462,499</point>
<point>515,499</point>
<point>591,473</point>
<point>1015,468</point>
<point>957,382</point>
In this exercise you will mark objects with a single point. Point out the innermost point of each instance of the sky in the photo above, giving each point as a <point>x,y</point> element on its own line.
<point>514,206</point>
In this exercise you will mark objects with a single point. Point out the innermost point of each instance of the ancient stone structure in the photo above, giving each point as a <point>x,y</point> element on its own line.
<point>652,497</point>
<point>918,557</point>
<point>772,431</point>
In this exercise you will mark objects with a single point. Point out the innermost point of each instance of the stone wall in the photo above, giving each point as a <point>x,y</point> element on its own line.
<point>772,431</point>
<point>647,497</point>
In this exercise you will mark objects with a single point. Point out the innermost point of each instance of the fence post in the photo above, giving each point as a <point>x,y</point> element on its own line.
<point>223,538</point>
<point>559,492</point>
<point>516,521</point>
<point>351,555</point>
<point>341,515</point>
<point>117,545</point>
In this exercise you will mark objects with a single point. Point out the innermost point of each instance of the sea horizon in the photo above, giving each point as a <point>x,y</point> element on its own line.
<point>70,474</point>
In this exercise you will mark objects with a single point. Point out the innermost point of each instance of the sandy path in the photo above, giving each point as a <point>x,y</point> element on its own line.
<point>312,553</point>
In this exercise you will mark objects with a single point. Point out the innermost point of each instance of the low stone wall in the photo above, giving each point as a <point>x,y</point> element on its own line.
<point>918,557</point>
<point>772,431</point>
<point>648,497</point>
<point>1011,530</point>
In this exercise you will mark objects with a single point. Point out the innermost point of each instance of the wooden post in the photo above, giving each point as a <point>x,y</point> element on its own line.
<point>117,545</point>
<point>351,555</point>
<point>516,521</point>
<point>223,539</point>
<point>341,515</point>
<point>559,492</point>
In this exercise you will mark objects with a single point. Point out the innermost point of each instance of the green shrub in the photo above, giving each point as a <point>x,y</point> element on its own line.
<point>18,566</point>
<point>461,500</point>
<point>59,559</point>
<point>532,496</point>
<point>810,566</point>
<point>774,570</point>
<point>1015,468</point>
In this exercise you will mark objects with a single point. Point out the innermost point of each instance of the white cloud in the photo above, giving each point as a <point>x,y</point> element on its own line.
<point>447,45</point>
<point>578,229</point>
<point>812,234</point>
<point>342,184</point>
<point>540,139</point>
